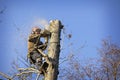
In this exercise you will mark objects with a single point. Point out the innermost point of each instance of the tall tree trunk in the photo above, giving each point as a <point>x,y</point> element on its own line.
<point>53,50</point>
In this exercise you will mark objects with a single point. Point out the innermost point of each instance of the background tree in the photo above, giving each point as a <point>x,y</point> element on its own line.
<point>110,60</point>
<point>107,67</point>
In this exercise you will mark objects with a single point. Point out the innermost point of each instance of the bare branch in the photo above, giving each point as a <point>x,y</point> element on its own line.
<point>26,71</point>
<point>6,76</point>
<point>22,72</point>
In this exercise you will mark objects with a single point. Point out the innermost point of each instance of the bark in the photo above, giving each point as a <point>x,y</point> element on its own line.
<point>53,50</point>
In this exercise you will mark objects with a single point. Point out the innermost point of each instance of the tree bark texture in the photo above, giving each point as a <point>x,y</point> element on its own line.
<point>53,50</point>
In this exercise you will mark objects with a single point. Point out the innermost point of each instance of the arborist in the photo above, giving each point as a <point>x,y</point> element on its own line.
<point>34,43</point>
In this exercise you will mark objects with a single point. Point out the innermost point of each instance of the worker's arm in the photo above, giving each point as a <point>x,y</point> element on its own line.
<point>32,37</point>
<point>46,34</point>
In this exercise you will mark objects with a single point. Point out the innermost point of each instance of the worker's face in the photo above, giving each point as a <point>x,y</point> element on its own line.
<point>37,31</point>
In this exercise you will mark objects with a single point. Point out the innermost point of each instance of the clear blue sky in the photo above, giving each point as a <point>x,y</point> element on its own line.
<point>89,21</point>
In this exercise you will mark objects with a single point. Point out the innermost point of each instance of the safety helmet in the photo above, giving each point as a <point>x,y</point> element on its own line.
<point>36,29</point>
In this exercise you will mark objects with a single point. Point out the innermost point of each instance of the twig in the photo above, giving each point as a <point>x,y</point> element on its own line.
<point>63,61</point>
<point>6,76</point>
<point>37,78</point>
<point>30,69</point>
<point>26,71</point>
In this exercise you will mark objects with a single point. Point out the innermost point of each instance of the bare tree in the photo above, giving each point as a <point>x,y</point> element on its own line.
<point>105,68</point>
<point>77,70</point>
<point>110,57</point>
<point>54,50</point>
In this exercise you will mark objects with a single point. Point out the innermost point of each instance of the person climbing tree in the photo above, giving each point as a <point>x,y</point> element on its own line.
<point>34,43</point>
<point>36,50</point>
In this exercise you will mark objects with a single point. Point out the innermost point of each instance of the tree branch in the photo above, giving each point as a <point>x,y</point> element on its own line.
<point>6,76</point>
<point>24,71</point>
<point>45,56</point>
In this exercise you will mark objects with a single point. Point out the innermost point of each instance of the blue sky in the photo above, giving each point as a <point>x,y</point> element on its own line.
<point>88,21</point>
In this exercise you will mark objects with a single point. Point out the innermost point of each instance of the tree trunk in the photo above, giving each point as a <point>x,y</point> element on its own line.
<point>53,50</point>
